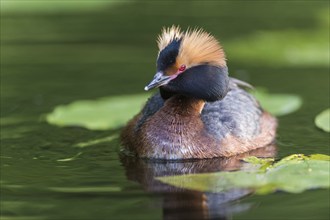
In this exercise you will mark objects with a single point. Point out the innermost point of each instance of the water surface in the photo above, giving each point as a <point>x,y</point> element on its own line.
<point>55,55</point>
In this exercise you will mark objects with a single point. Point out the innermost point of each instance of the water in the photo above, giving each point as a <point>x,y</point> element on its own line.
<point>52,55</point>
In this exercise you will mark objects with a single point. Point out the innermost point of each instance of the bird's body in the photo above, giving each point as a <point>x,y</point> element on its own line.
<point>199,112</point>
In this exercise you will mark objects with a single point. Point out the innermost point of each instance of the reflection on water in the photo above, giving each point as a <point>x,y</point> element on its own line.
<point>180,203</point>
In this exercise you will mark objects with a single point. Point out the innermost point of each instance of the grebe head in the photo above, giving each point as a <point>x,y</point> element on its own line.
<point>190,63</point>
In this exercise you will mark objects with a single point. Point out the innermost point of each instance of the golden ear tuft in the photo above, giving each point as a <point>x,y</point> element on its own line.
<point>199,47</point>
<point>168,35</point>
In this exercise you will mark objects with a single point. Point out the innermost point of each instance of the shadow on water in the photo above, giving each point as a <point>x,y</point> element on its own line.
<point>179,203</point>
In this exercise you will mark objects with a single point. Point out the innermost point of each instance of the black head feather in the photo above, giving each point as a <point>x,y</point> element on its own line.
<point>210,83</point>
<point>167,56</point>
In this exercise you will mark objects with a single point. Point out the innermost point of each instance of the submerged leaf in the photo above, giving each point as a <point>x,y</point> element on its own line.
<point>101,114</point>
<point>277,104</point>
<point>97,189</point>
<point>322,120</point>
<point>97,141</point>
<point>256,160</point>
<point>263,163</point>
<point>294,174</point>
<point>70,158</point>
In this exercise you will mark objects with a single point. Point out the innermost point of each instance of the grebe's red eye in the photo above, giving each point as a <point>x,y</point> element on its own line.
<point>182,68</point>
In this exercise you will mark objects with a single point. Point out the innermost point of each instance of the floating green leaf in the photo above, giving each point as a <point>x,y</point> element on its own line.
<point>294,174</point>
<point>319,157</point>
<point>101,114</point>
<point>322,120</point>
<point>277,104</point>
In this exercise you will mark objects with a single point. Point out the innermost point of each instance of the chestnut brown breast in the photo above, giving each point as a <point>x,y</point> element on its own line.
<point>185,128</point>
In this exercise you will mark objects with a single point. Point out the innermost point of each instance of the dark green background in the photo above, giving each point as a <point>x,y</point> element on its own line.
<point>56,52</point>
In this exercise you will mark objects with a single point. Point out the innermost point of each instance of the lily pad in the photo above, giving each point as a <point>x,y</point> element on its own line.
<point>293,174</point>
<point>101,114</point>
<point>322,120</point>
<point>277,104</point>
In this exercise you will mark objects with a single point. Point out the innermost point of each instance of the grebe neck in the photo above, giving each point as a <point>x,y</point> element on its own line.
<point>184,106</point>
